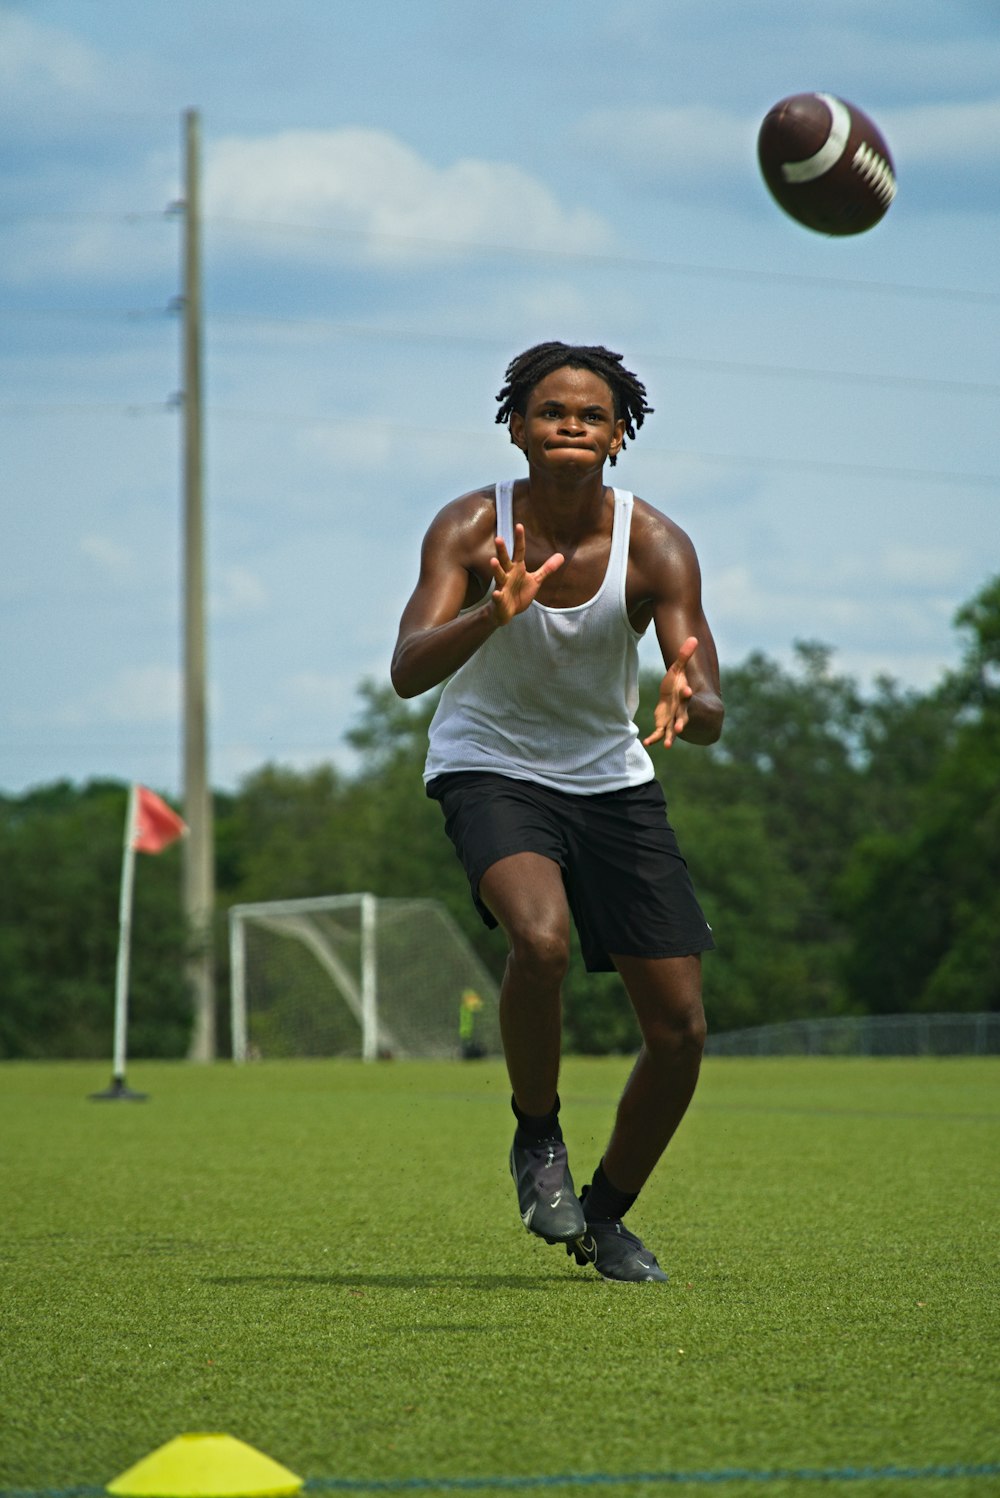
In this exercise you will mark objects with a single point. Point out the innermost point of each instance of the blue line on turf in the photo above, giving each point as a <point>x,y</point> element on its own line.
<point>586,1479</point>
<point>619,1479</point>
<point>80,1492</point>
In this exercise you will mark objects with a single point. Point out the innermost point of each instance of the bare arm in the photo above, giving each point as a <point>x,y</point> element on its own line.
<point>435,636</point>
<point>667,573</point>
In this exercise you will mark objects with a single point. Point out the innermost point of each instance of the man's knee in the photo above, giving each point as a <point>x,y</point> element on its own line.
<point>676,1032</point>
<point>666,996</point>
<point>525,892</point>
<point>540,953</point>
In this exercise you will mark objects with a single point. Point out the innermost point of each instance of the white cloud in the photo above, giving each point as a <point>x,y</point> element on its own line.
<point>129,239</point>
<point>236,591</point>
<point>370,452</point>
<point>373,187</point>
<point>147,695</point>
<point>668,479</point>
<point>111,557</point>
<point>326,690</point>
<point>140,694</point>
<point>924,566</point>
<point>951,135</point>
<point>696,147</point>
<point>687,146</point>
<point>38,59</point>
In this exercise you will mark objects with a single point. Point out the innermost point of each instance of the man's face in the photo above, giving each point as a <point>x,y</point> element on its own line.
<point>569,422</point>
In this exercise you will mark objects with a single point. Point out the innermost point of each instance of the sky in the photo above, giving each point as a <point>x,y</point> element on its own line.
<point>397,199</point>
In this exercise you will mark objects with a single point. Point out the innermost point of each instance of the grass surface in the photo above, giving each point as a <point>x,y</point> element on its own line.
<point>324,1259</point>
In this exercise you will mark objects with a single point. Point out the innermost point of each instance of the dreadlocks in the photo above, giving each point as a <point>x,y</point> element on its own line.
<point>524,373</point>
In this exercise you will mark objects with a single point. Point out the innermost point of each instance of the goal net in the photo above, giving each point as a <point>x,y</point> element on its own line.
<point>357,975</point>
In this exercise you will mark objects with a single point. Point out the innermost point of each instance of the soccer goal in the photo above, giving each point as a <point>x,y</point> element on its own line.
<point>357,975</point>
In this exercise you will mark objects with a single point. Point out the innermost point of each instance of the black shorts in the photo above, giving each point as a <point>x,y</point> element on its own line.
<point>627,885</point>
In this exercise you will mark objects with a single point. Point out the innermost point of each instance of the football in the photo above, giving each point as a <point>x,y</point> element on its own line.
<point>826,163</point>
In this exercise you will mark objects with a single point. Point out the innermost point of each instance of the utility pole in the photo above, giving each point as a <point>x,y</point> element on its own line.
<point>199,879</point>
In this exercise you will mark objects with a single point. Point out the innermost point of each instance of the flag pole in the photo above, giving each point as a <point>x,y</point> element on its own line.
<point>118,1089</point>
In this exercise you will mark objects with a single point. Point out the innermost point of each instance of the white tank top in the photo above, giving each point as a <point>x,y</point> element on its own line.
<point>551,696</point>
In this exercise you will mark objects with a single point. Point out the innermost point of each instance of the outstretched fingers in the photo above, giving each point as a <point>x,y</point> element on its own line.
<point>670,717</point>
<point>515,586</point>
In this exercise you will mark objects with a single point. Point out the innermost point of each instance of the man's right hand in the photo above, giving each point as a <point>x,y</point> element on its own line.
<point>515,587</point>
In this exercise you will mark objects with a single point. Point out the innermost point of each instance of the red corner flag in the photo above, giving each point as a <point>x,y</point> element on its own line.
<point>156,825</point>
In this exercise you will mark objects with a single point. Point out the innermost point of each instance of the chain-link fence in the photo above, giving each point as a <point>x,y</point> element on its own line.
<point>867,1035</point>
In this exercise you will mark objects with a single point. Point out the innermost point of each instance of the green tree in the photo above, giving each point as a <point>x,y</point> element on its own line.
<point>846,851</point>
<point>923,900</point>
<point>290,834</point>
<point>283,836</point>
<point>61,851</point>
<point>765,819</point>
<point>795,736</point>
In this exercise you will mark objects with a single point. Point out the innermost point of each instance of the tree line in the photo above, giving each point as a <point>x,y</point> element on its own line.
<point>846,850</point>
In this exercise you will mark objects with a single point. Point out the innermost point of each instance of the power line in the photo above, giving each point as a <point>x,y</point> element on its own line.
<point>682,361</point>
<point>294,419</point>
<point>334,329</point>
<point>60,215</point>
<point>633,262</point>
<point>530,252</point>
<point>87,408</point>
<point>91,314</point>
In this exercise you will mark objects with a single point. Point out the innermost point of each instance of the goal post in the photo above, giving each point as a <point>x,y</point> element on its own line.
<point>357,975</point>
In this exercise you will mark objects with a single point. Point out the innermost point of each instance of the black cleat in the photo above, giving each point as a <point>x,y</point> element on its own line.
<point>615,1252</point>
<point>546,1197</point>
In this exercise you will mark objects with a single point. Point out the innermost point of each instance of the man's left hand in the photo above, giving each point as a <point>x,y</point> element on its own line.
<point>671,713</point>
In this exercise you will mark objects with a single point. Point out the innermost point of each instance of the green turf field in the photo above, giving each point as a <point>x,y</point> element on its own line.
<point>325,1260</point>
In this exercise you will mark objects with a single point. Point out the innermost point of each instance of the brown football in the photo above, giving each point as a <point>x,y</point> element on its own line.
<point>826,163</point>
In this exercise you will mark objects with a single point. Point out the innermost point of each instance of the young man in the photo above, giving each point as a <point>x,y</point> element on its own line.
<point>532,597</point>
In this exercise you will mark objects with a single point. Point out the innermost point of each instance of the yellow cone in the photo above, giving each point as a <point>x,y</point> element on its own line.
<point>206,1466</point>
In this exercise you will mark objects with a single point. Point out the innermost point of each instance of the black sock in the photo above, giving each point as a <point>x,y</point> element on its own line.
<point>532,1127</point>
<point>604,1202</point>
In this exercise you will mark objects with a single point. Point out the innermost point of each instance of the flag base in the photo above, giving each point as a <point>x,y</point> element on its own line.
<point>118,1091</point>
